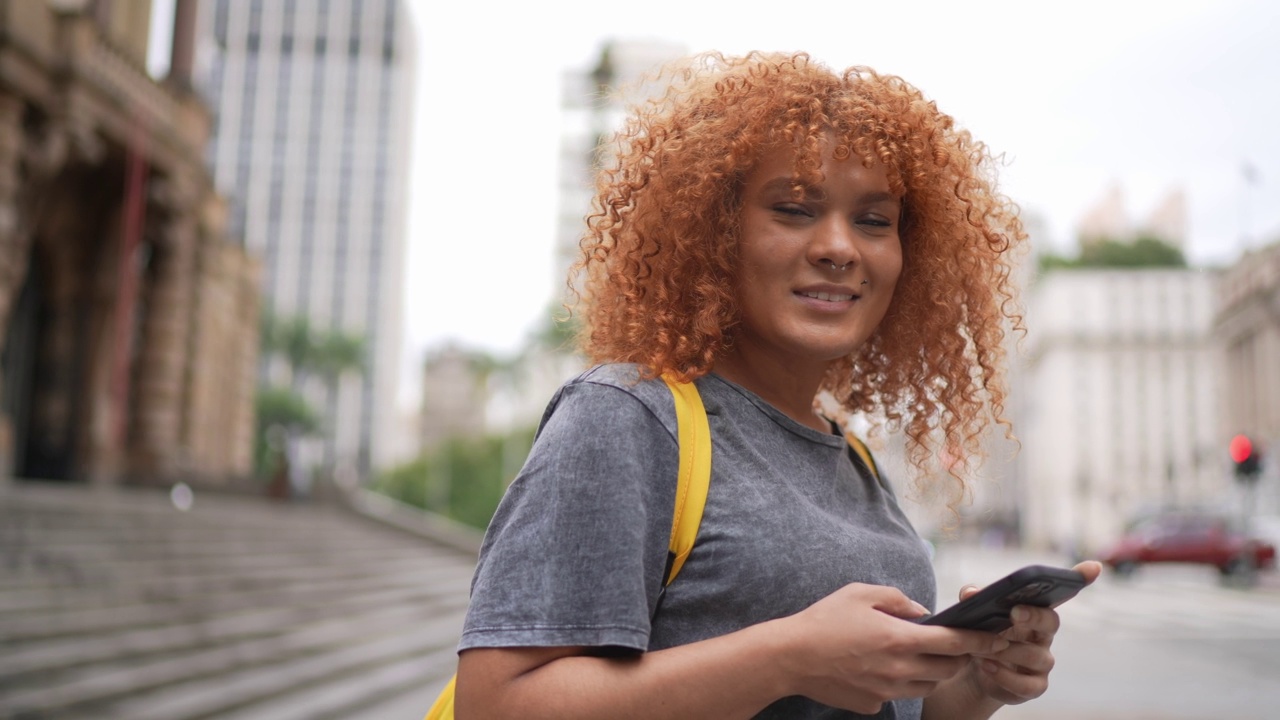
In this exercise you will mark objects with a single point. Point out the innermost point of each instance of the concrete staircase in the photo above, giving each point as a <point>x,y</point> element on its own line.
<point>115,604</point>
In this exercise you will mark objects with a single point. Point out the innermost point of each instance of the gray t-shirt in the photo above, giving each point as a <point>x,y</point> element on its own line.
<point>576,551</point>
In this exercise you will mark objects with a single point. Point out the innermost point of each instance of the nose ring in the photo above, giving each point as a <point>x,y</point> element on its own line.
<point>838,268</point>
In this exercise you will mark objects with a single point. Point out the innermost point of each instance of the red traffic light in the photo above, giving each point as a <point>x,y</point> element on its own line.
<point>1241,448</point>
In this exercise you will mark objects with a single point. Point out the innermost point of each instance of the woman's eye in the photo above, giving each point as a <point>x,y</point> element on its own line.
<point>796,210</point>
<point>875,222</point>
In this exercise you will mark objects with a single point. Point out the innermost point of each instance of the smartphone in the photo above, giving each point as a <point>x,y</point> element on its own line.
<point>989,608</point>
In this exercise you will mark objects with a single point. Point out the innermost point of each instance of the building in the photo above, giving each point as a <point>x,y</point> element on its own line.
<point>1109,219</point>
<point>1248,328</point>
<point>310,142</point>
<point>593,107</point>
<point>454,390</point>
<point>1121,405</point>
<point>127,318</point>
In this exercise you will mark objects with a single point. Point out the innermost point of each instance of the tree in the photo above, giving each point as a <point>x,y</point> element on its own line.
<point>463,478</point>
<point>279,410</point>
<point>1143,252</point>
<point>308,353</point>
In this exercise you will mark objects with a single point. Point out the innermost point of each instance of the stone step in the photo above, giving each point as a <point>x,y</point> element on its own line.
<point>97,682</point>
<point>190,541</point>
<point>116,605</point>
<point>64,621</point>
<point>237,524</point>
<point>347,697</point>
<point>131,583</point>
<point>54,655</point>
<point>84,570</point>
<point>239,690</point>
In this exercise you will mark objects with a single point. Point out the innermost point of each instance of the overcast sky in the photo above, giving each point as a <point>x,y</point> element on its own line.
<point>1149,97</point>
<point>1080,97</point>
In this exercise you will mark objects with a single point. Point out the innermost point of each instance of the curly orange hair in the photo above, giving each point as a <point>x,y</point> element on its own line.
<point>658,262</point>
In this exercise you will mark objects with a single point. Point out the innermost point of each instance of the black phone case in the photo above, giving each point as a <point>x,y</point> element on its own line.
<point>989,608</point>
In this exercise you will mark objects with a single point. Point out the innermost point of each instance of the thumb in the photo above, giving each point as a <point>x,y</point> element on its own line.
<point>894,602</point>
<point>968,590</point>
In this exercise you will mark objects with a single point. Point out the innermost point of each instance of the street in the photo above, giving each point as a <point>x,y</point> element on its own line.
<point>1169,644</point>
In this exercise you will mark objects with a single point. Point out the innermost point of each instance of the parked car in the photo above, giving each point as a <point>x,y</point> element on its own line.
<point>1199,538</point>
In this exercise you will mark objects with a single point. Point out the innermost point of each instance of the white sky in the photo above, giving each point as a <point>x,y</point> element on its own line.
<point>1080,97</point>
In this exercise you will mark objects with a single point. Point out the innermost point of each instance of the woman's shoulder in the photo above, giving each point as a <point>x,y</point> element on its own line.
<point>628,378</point>
<point>615,389</point>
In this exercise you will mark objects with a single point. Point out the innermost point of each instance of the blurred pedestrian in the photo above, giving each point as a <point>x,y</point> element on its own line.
<point>803,245</point>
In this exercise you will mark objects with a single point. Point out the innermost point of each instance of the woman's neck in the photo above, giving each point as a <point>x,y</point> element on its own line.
<point>777,384</point>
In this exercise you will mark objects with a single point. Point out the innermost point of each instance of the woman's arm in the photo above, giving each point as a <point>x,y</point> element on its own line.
<point>850,650</point>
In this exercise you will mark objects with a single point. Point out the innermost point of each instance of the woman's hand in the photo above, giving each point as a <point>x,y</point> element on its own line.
<point>1021,672</point>
<point>853,649</point>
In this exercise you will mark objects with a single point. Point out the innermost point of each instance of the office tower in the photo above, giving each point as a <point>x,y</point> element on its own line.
<point>311,120</point>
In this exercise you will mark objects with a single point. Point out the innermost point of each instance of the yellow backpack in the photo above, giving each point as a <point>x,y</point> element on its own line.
<point>694,436</point>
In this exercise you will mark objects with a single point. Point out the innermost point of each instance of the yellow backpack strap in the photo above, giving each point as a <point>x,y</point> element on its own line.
<point>864,454</point>
<point>443,707</point>
<point>694,436</point>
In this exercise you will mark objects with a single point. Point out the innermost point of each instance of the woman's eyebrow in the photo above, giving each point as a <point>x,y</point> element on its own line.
<point>876,197</point>
<point>785,185</point>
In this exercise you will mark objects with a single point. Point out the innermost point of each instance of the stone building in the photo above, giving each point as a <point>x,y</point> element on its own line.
<point>128,320</point>
<point>1248,327</point>
<point>1121,402</point>
<point>454,396</point>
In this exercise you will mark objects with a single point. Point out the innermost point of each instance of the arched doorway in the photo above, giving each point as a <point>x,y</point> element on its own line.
<point>18,365</point>
<point>59,339</point>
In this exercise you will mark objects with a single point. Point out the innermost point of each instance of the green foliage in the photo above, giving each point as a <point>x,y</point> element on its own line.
<point>283,409</point>
<point>336,353</point>
<point>287,409</point>
<point>307,352</point>
<point>464,478</point>
<point>1144,252</point>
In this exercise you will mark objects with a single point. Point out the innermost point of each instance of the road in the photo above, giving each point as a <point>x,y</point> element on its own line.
<point>1169,644</point>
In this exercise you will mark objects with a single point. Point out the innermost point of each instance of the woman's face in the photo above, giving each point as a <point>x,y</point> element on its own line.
<point>817,272</point>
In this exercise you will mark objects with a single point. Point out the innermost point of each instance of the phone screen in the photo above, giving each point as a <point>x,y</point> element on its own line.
<point>989,608</point>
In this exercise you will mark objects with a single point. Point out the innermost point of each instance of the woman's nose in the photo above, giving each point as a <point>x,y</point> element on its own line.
<point>834,245</point>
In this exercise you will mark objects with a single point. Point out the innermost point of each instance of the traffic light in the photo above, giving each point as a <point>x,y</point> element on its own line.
<point>1246,457</point>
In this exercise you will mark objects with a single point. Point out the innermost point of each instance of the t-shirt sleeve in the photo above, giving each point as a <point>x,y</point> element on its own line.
<point>576,550</point>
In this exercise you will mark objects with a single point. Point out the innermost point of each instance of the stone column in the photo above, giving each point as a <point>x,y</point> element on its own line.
<point>182,52</point>
<point>14,248</point>
<point>162,380</point>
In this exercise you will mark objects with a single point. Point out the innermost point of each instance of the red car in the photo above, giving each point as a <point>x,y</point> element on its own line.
<point>1202,539</point>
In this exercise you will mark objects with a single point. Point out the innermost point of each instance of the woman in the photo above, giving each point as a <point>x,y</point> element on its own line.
<point>777,233</point>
